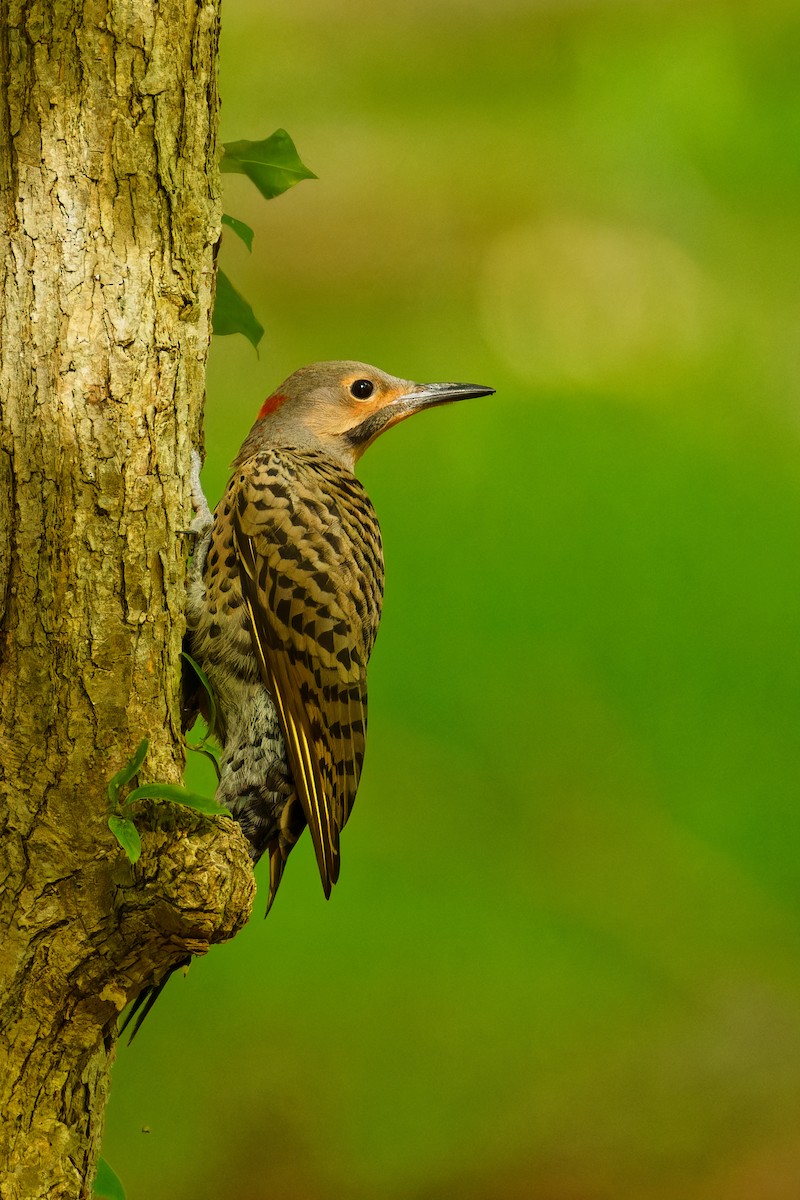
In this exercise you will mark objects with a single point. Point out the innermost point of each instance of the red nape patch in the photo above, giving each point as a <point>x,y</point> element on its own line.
<point>271,405</point>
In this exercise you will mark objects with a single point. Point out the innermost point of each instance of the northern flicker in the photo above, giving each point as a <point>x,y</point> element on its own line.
<point>284,601</point>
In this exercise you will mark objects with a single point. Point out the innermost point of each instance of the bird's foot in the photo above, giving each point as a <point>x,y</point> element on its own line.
<point>203,518</point>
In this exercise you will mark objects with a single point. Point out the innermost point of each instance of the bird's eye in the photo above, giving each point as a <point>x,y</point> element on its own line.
<point>362,389</point>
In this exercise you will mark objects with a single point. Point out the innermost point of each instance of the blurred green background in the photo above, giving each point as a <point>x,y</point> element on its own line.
<point>563,960</point>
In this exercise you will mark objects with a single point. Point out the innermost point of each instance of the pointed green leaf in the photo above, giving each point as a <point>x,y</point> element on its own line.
<point>178,795</point>
<point>212,704</point>
<point>127,835</point>
<point>107,1184</point>
<point>272,164</point>
<point>232,313</point>
<point>127,772</point>
<point>240,229</point>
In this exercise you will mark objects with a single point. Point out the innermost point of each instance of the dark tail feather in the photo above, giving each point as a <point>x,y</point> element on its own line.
<point>277,862</point>
<point>146,999</point>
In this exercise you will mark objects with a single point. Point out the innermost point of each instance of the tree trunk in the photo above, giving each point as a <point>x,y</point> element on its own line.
<point>109,216</point>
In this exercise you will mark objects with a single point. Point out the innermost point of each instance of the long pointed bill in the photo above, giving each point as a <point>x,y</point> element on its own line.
<point>431,394</point>
<point>425,395</point>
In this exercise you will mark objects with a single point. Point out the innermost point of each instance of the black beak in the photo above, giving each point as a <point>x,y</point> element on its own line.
<point>429,395</point>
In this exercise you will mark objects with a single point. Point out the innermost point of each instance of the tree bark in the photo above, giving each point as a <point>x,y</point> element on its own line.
<point>109,213</point>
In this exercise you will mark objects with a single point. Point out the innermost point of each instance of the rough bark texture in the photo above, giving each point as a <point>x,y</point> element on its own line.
<point>109,215</point>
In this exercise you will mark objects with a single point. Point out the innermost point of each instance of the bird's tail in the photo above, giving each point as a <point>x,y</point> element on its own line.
<point>278,854</point>
<point>146,999</point>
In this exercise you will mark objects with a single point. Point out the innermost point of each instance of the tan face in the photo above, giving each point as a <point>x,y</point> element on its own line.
<point>342,407</point>
<point>356,401</point>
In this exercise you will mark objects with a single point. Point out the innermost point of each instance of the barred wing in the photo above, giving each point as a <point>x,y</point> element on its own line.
<point>302,601</point>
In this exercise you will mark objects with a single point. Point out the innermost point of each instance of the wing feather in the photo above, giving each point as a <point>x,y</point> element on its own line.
<point>311,647</point>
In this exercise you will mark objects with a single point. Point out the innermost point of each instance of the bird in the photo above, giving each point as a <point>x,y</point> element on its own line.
<point>284,600</point>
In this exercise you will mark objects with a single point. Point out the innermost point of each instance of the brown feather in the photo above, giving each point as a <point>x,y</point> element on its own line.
<point>302,542</point>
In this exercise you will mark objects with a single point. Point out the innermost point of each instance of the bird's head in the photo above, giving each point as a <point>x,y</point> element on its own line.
<point>342,407</point>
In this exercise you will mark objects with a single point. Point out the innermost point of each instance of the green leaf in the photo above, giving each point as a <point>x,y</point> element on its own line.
<point>232,313</point>
<point>272,164</point>
<point>178,795</point>
<point>107,1183</point>
<point>127,835</point>
<point>209,752</point>
<point>212,704</point>
<point>127,773</point>
<point>240,229</point>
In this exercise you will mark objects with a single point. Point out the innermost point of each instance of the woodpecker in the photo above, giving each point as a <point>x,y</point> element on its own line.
<point>284,601</point>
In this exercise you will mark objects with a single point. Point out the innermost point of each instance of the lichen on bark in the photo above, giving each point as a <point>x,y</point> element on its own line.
<point>110,215</point>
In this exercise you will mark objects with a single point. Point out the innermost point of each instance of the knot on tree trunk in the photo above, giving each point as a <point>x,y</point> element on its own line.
<point>83,945</point>
<point>192,888</point>
<point>131,924</point>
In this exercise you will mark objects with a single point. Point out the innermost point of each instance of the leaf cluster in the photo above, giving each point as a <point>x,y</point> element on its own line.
<point>120,820</point>
<point>274,166</point>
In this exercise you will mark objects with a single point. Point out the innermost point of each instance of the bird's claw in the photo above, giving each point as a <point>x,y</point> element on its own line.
<point>203,517</point>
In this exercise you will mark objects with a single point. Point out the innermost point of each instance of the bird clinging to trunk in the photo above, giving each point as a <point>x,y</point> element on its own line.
<point>284,603</point>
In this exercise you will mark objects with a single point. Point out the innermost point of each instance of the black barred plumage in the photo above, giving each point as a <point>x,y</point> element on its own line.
<point>285,644</point>
<point>283,608</point>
